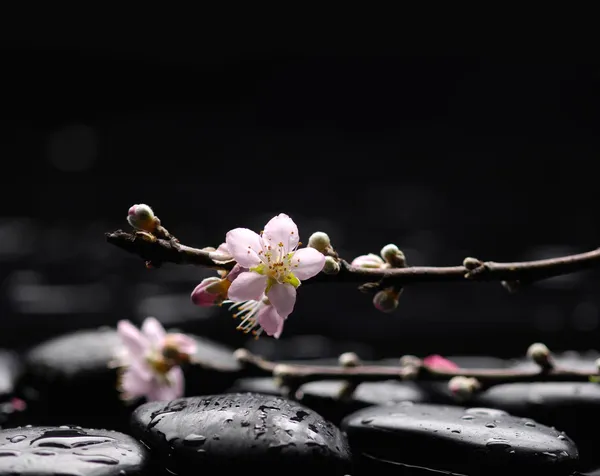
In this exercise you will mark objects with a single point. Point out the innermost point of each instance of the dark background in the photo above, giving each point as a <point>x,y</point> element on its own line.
<point>445,151</point>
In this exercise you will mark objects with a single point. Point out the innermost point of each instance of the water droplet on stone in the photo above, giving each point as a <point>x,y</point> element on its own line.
<point>16,439</point>
<point>456,431</point>
<point>366,421</point>
<point>467,417</point>
<point>44,453</point>
<point>529,424</point>
<point>9,453</point>
<point>194,440</point>
<point>498,444</point>
<point>562,437</point>
<point>490,425</point>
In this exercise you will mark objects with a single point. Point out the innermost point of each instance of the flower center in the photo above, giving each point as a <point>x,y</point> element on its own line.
<point>277,265</point>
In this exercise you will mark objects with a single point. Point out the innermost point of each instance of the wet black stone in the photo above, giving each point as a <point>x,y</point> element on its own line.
<point>569,406</point>
<point>246,432</point>
<point>323,396</point>
<point>455,439</point>
<point>70,374</point>
<point>70,451</point>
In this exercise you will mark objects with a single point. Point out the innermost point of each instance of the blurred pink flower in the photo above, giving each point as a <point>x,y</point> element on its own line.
<point>437,362</point>
<point>151,361</point>
<point>275,264</point>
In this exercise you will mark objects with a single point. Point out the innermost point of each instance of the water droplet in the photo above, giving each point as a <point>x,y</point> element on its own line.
<point>366,421</point>
<point>44,453</point>
<point>550,455</point>
<point>64,427</point>
<point>490,425</point>
<point>455,431</point>
<point>498,444</point>
<point>512,452</point>
<point>245,423</point>
<point>16,439</point>
<point>562,437</point>
<point>194,440</point>
<point>9,453</point>
<point>489,412</point>
<point>28,426</point>
<point>529,424</point>
<point>467,417</point>
<point>102,459</point>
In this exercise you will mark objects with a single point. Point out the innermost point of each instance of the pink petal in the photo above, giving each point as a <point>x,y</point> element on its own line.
<point>141,368</point>
<point>154,331</point>
<point>135,342</point>
<point>247,286</point>
<point>439,363</point>
<point>282,229</point>
<point>244,245</point>
<point>235,272</point>
<point>134,385</point>
<point>162,392</point>
<point>283,298</point>
<point>270,321</point>
<point>223,248</point>
<point>185,344</point>
<point>310,262</point>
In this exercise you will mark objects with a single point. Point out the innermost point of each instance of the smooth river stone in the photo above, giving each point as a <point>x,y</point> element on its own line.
<point>322,396</point>
<point>64,450</point>
<point>569,406</point>
<point>241,432</point>
<point>454,439</point>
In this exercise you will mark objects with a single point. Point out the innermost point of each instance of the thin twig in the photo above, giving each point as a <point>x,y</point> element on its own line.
<point>158,251</point>
<point>298,374</point>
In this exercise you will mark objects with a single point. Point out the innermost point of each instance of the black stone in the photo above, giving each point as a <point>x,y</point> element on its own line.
<point>246,432</point>
<point>466,441</point>
<point>323,396</point>
<point>68,450</point>
<point>70,374</point>
<point>68,380</point>
<point>569,406</point>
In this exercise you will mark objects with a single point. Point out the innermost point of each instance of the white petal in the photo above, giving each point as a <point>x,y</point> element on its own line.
<point>154,331</point>
<point>244,245</point>
<point>281,229</point>
<point>136,344</point>
<point>247,286</point>
<point>310,262</point>
<point>283,298</point>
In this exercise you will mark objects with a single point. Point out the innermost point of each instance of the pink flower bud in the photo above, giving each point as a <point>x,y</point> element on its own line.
<point>437,362</point>
<point>141,217</point>
<point>369,261</point>
<point>210,292</point>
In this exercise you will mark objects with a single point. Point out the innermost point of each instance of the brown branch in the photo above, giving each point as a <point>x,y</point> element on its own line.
<point>299,374</point>
<point>158,251</point>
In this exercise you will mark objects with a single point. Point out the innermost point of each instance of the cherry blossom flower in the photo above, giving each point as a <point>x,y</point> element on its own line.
<point>150,361</point>
<point>275,266</point>
<point>259,314</point>
<point>437,362</point>
<point>369,261</point>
